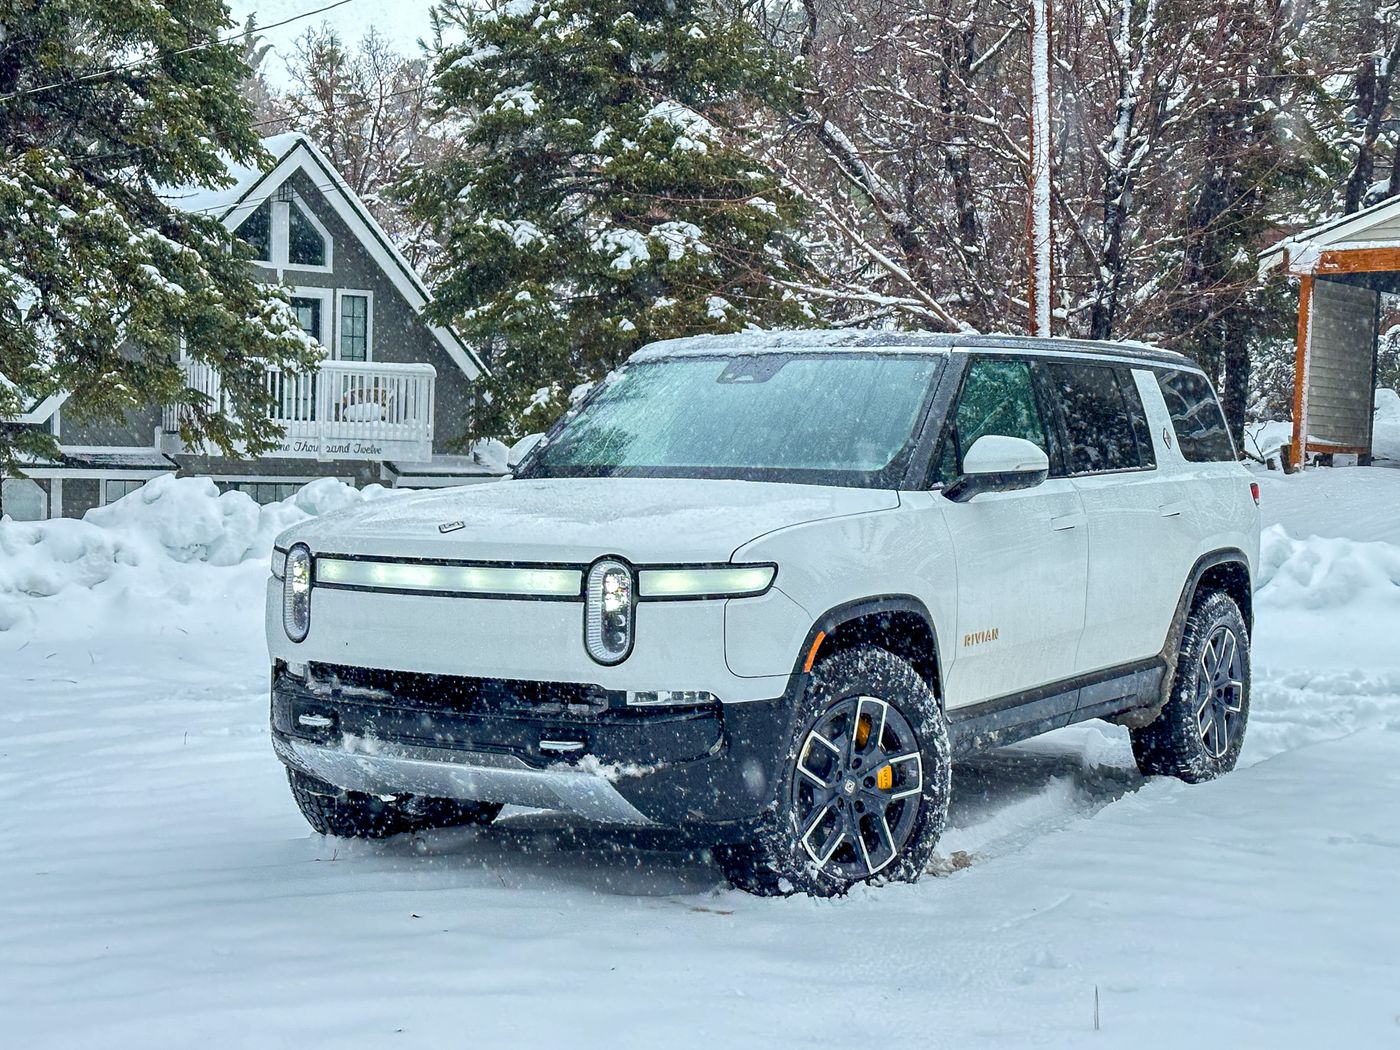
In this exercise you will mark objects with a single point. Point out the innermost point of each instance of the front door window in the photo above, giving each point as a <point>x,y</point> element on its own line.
<point>998,397</point>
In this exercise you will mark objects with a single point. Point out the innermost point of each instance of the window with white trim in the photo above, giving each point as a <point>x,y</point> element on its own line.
<point>114,489</point>
<point>309,310</point>
<point>256,232</point>
<point>354,327</point>
<point>283,232</point>
<point>24,499</point>
<point>306,245</point>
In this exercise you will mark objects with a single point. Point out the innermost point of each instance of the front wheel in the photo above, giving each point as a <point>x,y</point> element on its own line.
<point>352,814</point>
<point>866,784</point>
<point>1200,731</point>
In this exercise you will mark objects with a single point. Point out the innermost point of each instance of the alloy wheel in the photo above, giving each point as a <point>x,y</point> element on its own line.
<point>857,787</point>
<point>1219,690</point>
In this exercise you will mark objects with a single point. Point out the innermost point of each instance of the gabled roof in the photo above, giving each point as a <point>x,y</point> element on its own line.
<point>1375,227</point>
<point>295,152</point>
<point>251,186</point>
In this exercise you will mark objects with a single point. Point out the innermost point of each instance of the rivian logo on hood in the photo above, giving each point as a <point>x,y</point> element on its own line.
<point>451,526</point>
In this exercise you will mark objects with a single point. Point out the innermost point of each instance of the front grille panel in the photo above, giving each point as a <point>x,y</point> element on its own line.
<point>461,694</point>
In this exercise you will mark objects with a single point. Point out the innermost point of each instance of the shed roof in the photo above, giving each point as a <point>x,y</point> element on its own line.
<point>1375,227</point>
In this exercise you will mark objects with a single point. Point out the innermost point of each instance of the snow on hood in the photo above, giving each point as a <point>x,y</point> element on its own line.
<point>580,519</point>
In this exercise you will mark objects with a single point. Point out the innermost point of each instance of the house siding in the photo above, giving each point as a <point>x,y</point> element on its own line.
<point>136,430</point>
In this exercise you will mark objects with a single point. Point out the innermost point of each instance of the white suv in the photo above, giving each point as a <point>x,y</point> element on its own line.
<point>769,587</point>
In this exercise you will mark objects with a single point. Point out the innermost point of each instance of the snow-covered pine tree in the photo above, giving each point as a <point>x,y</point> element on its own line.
<point>601,195</point>
<point>100,277</point>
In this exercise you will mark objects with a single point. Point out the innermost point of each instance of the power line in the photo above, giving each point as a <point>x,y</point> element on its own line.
<point>137,63</point>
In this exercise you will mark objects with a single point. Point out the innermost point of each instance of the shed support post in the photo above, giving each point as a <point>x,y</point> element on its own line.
<point>1298,453</point>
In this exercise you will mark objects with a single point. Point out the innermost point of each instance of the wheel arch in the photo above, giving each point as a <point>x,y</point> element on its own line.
<point>1222,570</point>
<point>1226,569</point>
<point>898,623</point>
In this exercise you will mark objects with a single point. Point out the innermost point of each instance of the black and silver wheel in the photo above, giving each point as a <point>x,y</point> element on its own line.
<point>352,814</point>
<point>1200,731</point>
<point>866,785</point>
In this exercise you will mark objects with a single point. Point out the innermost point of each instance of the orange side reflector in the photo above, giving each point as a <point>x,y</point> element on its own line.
<point>884,779</point>
<point>812,652</point>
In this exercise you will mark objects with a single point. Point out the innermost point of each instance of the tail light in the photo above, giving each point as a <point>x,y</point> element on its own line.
<point>1254,491</point>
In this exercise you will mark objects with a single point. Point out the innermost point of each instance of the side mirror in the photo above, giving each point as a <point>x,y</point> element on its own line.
<point>521,449</point>
<point>996,463</point>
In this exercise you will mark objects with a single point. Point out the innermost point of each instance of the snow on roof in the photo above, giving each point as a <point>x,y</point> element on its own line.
<point>217,202</point>
<point>847,339</point>
<point>1303,249</point>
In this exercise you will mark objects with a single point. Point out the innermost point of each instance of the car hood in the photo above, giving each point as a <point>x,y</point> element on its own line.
<point>575,520</point>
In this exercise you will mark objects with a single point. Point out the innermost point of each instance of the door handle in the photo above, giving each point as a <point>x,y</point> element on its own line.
<point>1067,521</point>
<point>1172,510</point>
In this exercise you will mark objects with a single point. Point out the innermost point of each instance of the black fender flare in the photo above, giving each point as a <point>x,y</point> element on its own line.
<point>872,605</point>
<point>1171,648</point>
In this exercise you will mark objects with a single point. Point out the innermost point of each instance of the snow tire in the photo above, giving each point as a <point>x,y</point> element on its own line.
<point>1179,744</point>
<point>774,862</point>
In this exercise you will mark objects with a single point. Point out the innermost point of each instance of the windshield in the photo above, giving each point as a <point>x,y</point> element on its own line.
<point>834,419</point>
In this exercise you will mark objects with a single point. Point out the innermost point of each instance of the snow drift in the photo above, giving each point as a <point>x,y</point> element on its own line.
<point>147,538</point>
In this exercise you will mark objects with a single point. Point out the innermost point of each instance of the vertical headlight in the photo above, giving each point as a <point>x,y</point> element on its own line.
<point>609,612</point>
<point>296,593</point>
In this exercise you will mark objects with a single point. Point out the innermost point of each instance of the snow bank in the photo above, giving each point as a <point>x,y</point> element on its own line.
<point>1328,603</point>
<point>148,536</point>
<point>1325,572</point>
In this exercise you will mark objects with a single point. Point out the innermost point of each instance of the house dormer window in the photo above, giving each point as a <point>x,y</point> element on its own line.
<point>256,232</point>
<point>306,245</point>
<point>285,233</point>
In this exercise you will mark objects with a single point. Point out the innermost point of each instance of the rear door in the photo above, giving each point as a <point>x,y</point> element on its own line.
<point>1134,577</point>
<point>1021,556</point>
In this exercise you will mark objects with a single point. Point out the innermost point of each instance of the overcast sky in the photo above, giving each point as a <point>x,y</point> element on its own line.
<point>401,22</point>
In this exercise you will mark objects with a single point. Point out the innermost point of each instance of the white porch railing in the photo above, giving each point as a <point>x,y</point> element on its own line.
<point>341,410</point>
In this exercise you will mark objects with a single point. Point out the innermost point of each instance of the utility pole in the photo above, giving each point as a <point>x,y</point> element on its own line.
<point>1039,233</point>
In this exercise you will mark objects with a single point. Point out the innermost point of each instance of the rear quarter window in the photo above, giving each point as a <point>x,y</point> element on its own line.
<point>1201,432</point>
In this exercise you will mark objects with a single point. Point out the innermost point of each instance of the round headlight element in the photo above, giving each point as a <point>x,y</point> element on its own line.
<point>610,611</point>
<point>296,593</point>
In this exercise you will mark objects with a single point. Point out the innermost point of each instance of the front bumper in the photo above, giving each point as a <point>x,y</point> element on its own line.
<point>550,746</point>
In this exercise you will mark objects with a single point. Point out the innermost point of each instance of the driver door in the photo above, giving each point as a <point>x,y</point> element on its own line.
<point>1022,556</point>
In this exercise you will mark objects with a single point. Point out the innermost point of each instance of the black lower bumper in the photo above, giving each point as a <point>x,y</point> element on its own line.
<point>712,764</point>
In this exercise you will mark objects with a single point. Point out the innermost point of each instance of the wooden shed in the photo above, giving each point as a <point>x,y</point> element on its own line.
<point>1344,267</point>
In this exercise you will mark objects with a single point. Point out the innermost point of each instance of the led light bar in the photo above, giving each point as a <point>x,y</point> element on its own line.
<point>734,581</point>
<point>450,579</point>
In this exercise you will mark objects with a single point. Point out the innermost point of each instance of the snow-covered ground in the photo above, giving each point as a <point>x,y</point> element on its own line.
<point>159,889</point>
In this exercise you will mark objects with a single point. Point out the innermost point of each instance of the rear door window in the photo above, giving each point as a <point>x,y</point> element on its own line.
<point>1201,433</point>
<point>1104,421</point>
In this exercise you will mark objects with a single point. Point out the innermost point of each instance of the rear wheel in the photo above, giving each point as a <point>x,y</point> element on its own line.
<point>352,814</point>
<point>866,785</point>
<point>1199,733</point>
